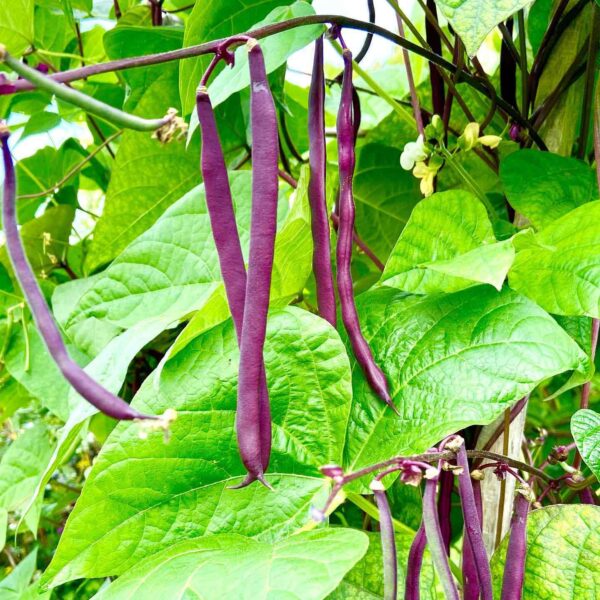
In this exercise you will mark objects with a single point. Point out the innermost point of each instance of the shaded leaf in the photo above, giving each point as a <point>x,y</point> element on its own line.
<point>585,427</point>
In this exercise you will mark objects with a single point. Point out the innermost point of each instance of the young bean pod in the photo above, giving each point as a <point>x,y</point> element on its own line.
<point>346,160</point>
<point>388,541</point>
<point>472,521</point>
<point>316,189</point>
<point>514,567</point>
<point>414,565</point>
<point>435,540</point>
<point>263,228</point>
<point>227,241</point>
<point>86,386</point>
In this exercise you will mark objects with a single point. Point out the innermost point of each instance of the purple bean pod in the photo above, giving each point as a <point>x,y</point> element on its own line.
<point>346,161</point>
<point>388,541</point>
<point>472,524</point>
<point>415,564</point>
<point>227,242</point>
<point>435,541</point>
<point>265,187</point>
<point>469,571</point>
<point>316,190</point>
<point>514,567</point>
<point>86,386</point>
<point>445,507</point>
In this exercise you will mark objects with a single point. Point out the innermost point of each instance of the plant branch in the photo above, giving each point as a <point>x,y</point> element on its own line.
<point>272,29</point>
<point>72,171</point>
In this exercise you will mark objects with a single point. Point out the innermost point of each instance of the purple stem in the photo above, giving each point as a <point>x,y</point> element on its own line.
<point>514,566</point>
<point>435,541</point>
<point>472,524</point>
<point>86,386</point>
<point>346,162</point>
<point>227,241</point>
<point>435,43</point>
<point>316,190</point>
<point>414,98</point>
<point>414,565</point>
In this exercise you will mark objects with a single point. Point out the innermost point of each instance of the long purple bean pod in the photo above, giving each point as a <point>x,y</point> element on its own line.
<point>346,162</point>
<point>469,571</point>
<point>227,242</point>
<point>86,386</point>
<point>472,523</point>
<point>445,506</point>
<point>388,541</point>
<point>514,567</point>
<point>316,189</point>
<point>265,185</point>
<point>414,565</point>
<point>435,541</point>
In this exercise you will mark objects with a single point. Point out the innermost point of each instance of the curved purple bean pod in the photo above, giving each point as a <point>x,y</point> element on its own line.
<point>469,571</point>
<point>514,566</point>
<point>346,161</point>
<point>265,185</point>
<point>227,241</point>
<point>435,541</point>
<point>445,506</point>
<point>316,189</point>
<point>414,565</point>
<point>388,541</point>
<point>472,523</point>
<point>86,386</point>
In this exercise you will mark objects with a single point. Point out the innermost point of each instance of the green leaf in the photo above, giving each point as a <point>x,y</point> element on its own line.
<point>452,361</point>
<point>585,427</point>
<point>365,580</point>
<point>385,194</point>
<point>447,245</point>
<point>276,49</point>
<point>562,271</point>
<point>474,19</point>
<point>16,25</point>
<point>563,551</point>
<point>21,466</point>
<point>147,177</point>
<point>144,495</point>
<point>212,20</point>
<point>40,123</point>
<point>538,20</point>
<point>174,266</point>
<point>14,586</point>
<point>307,566</point>
<point>544,186</point>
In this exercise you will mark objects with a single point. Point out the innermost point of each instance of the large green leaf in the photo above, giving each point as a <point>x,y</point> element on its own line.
<point>307,566</point>
<point>563,553</point>
<point>560,266</point>
<point>447,245</point>
<point>385,195</point>
<point>211,20</point>
<point>16,25</point>
<point>585,427</point>
<point>365,580</point>
<point>21,465</point>
<point>143,496</point>
<point>545,186</point>
<point>147,177</point>
<point>173,266</point>
<point>452,361</point>
<point>474,19</point>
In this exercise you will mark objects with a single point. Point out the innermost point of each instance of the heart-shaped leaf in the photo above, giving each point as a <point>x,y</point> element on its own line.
<point>308,566</point>
<point>143,496</point>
